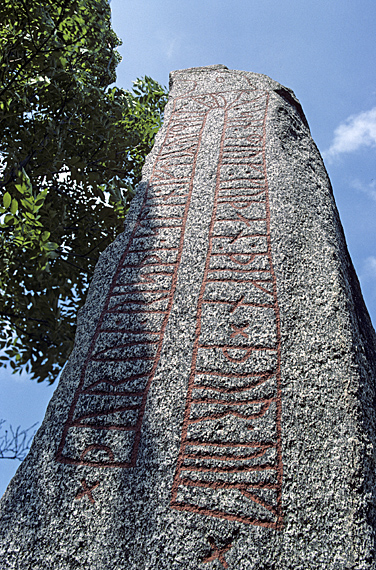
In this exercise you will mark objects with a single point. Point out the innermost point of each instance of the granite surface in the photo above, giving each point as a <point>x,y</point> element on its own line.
<point>218,409</point>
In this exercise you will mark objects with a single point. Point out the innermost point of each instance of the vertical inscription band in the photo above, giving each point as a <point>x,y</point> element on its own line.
<point>103,428</point>
<point>230,463</point>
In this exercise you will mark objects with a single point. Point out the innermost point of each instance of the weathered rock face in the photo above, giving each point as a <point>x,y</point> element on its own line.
<point>218,408</point>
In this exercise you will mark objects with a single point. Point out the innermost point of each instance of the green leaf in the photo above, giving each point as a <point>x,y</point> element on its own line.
<point>14,206</point>
<point>9,219</point>
<point>7,198</point>
<point>51,246</point>
<point>20,188</point>
<point>72,138</point>
<point>28,204</point>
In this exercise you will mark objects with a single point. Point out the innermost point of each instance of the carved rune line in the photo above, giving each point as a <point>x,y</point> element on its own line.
<point>103,428</point>
<point>217,553</point>
<point>87,491</point>
<point>231,437</point>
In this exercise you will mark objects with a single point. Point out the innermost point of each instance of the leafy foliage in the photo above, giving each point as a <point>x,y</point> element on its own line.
<point>71,151</point>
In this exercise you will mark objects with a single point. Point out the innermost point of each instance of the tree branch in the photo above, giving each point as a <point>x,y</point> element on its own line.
<point>38,51</point>
<point>15,443</point>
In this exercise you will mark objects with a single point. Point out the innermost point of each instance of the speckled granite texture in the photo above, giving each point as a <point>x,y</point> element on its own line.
<point>218,410</point>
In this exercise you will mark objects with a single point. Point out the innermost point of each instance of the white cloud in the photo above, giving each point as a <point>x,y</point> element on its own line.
<point>369,189</point>
<point>369,268</point>
<point>169,46</point>
<point>356,131</point>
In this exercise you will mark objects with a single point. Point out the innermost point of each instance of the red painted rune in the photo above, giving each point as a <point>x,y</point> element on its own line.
<point>87,491</point>
<point>217,554</point>
<point>231,434</point>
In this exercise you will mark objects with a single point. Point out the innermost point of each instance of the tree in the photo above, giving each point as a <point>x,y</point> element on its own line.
<point>15,443</point>
<point>71,151</point>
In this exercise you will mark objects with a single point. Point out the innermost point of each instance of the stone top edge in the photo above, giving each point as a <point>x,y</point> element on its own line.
<point>260,81</point>
<point>269,82</point>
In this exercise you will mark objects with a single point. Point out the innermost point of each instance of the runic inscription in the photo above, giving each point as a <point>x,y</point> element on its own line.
<point>103,428</point>
<point>217,553</point>
<point>229,464</point>
<point>87,491</point>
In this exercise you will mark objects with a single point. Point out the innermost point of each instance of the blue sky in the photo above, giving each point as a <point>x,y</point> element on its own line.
<point>324,50</point>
